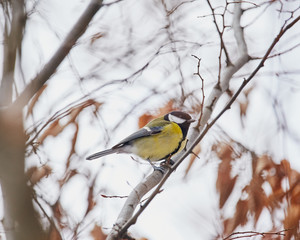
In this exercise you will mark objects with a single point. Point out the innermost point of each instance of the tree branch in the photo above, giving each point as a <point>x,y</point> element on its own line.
<point>124,220</point>
<point>11,47</point>
<point>70,40</point>
<point>20,220</point>
<point>220,32</point>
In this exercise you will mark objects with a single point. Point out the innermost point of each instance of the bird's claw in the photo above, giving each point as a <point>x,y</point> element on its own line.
<point>161,169</point>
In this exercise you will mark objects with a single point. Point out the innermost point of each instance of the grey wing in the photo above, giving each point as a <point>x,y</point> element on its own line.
<point>143,132</point>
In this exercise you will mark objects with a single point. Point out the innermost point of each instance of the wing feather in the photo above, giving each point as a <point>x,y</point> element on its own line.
<point>143,132</point>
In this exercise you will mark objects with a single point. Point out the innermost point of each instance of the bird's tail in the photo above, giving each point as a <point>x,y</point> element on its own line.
<point>101,154</point>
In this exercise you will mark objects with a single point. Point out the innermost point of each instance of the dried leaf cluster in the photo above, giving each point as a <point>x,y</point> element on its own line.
<point>282,194</point>
<point>56,125</point>
<point>273,186</point>
<point>283,181</point>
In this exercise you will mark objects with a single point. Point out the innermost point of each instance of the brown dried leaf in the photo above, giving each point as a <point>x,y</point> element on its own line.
<point>226,190</point>
<point>274,174</point>
<point>144,119</point>
<point>255,203</point>
<point>292,219</point>
<point>243,108</point>
<point>257,198</point>
<point>75,111</point>
<point>54,129</point>
<point>293,175</point>
<point>263,163</point>
<point>248,91</point>
<point>90,102</point>
<point>74,140</point>
<point>97,105</point>
<point>58,214</point>
<point>35,99</point>
<point>225,183</point>
<point>285,165</point>
<point>295,194</point>
<point>91,202</point>
<point>69,174</point>
<point>36,174</point>
<point>54,234</point>
<point>292,222</point>
<point>244,105</point>
<point>265,170</point>
<point>275,198</point>
<point>239,218</point>
<point>224,152</point>
<point>97,233</point>
<point>256,195</point>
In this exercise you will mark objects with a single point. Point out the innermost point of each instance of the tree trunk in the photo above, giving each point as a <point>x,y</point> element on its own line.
<point>20,221</point>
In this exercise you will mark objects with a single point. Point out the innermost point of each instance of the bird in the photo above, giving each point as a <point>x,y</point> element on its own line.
<point>160,139</point>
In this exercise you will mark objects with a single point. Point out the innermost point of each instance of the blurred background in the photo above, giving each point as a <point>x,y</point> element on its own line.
<point>137,60</point>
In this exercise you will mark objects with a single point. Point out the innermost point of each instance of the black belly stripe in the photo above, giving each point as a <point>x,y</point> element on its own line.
<point>175,151</point>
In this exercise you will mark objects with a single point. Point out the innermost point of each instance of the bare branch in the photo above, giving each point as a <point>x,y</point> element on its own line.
<point>13,35</point>
<point>221,87</point>
<point>202,86</point>
<point>19,219</point>
<point>248,234</point>
<point>220,32</point>
<point>70,40</point>
<point>125,220</point>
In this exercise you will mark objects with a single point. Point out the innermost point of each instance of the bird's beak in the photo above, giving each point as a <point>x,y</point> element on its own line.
<point>191,120</point>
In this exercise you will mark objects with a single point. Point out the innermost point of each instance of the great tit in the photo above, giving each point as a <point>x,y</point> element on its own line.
<point>160,139</point>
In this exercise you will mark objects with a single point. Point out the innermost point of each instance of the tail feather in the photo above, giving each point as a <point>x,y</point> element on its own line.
<point>101,154</point>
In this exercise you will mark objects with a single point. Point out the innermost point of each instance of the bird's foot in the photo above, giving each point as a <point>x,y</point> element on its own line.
<point>156,168</point>
<point>168,162</point>
<point>161,169</point>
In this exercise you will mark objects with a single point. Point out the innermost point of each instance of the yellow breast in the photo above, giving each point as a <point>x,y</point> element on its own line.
<point>159,146</point>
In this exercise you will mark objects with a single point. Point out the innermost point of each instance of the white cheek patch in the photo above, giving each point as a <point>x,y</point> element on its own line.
<point>175,119</point>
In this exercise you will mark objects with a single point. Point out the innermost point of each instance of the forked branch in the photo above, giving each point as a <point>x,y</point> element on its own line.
<point>127,217</point>
<point>64,49</point>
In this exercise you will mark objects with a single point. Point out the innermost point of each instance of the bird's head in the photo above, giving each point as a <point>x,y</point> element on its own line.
<point>181,118</point>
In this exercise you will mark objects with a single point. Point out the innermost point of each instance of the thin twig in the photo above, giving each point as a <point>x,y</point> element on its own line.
<point>220,32</point>
<point>254,233</point>
<point>202,88</point>
<point>52,223</point>
<point>64,49</point>
<point>168,172</point>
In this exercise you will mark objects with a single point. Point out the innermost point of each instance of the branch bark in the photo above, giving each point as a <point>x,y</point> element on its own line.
<point>70,40</point>
<point>20,220</point>
<point>13,35</point>
<point>126,218</point>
